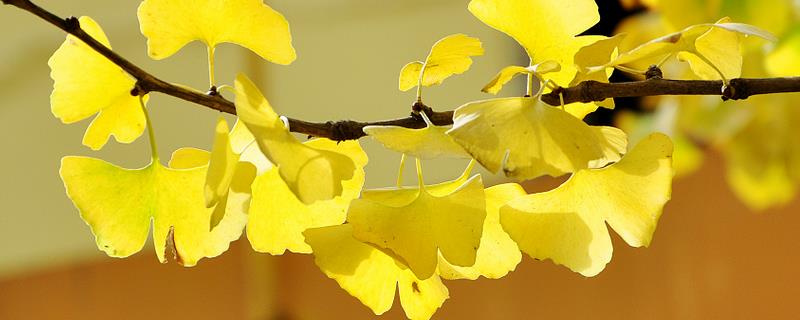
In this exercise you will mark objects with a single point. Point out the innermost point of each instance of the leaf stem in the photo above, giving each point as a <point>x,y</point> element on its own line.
<point>401,170</point>
<point>150,132</point>
<point>420,180</point>
<point>211,78</point>
<point>421,78</point>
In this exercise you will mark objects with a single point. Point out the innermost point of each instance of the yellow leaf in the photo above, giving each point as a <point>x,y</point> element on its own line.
<point>528,139</point>
<point>498,254</point>
<point>171,24</point>
<point>508,73</point>
<point>119,205</point>
<point>640,28</point>
<point>189,158</point>
<point>713,50</point>
<point>312,174</point>
<point>720,46</point>
<point>426,143</point>
<point>278,218</point>
<point>503,77</point>
<point>450,55</point>
<point>418,229</point>
<point>222,165</point>
<point>244,143</point>
<point>235,199</point>
<point>87,83</point>
<point>567,224</point>
<point>371,275</point>
<point>544,28</point>
<point>409,75</point>
<point>598,53</point>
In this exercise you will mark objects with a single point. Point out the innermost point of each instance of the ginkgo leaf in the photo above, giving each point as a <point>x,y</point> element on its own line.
<point>171,24</point>
<point>86,83</point>
<point>119,205</point>
<point>312,174</point>
<point>567,224</point>
<point>715,46</point>
<point>497,254</point>
<point>417,230</point>
<point>373,276</point>
<point>244,144</point>
<point>222,165</point>
<point>426,143</point>
<point>527,139</point>
<point>235,200</point>
<point>450,55</point>
<point>508,73</point>
<point>524,20</point>
<point>554,40</point>
<point>720,46</point>
<point>278,218</point>
<point>598,53</point>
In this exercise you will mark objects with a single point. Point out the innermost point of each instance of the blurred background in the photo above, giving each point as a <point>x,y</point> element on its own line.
<point>726,246</point>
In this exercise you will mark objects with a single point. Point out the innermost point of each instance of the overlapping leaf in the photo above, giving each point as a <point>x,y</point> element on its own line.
<point>527,139</point>
<point>86,83</point>
<point>547,30</point>
<point>425,143</point>
<point>312,174</point>
<point>372,275</point>
<point>171,24</point>
<point>508,73</point>
<point>567,224</point>
<point>416,224</point>
<point>277,218</point>
<point>497,254</point>
<point>712,50</point>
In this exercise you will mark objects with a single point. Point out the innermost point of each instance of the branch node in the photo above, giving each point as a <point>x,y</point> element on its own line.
<point>72,24</point>
<point>213,91</point>
<point>419,106</point>
<point>736,89</point>
<point>345,130</point>
<point>654,72</point>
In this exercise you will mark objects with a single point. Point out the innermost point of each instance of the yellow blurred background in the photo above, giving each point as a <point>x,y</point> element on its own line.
<point>711,257</point>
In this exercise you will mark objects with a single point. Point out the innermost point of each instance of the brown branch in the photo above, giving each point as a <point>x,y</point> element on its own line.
<point>350,130</point>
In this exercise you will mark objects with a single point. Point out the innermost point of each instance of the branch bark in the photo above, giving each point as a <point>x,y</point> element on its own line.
<point>587,91</point>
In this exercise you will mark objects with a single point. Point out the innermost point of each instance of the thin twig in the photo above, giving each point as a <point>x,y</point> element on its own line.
<point>587,91</point>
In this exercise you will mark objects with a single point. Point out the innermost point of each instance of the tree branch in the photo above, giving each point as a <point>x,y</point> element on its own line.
<point>587,91</point>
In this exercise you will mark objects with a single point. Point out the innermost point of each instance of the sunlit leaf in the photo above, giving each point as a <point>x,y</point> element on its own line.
<point>498,254</point>
<point>595,54</point>
<point>278,218</point>
<point>450,55</point>
<point>312,174</point>
<point>568,224</point>
<point>508,73</point>
<point>713,50</point>
<point>547,30</point>
<point>371,275</point>
<point>426,143</point>
<point>423,225</point>
<point>120,204</point>
<point>171,24</point>
<point>87,83</point>
<point>527,139</point>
